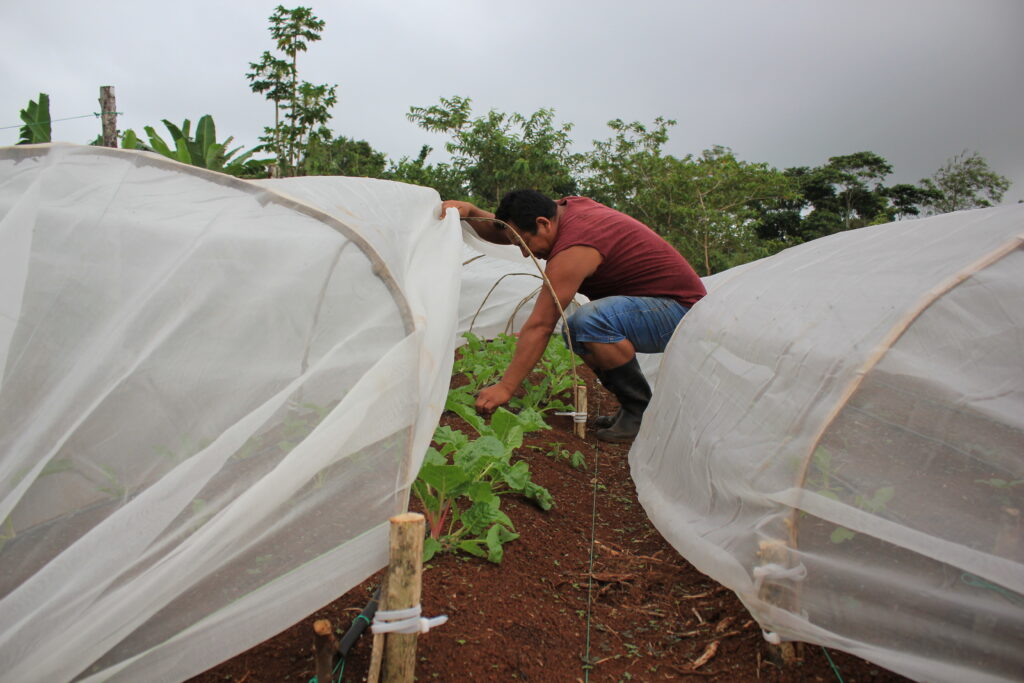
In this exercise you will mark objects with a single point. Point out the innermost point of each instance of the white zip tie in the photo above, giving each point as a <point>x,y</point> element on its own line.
<point>404,621</point>
<point>577,418</point>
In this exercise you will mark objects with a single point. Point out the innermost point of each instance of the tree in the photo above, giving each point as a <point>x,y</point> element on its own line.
<point>343,156</point>
<point>846,193</point>
<point>965,182</point>
<point>36,116</point>
<point>271,75</point>
<point>500,152</point>
<point>859,190</point>
<point>706,206</point>
<point>449,183</point>
<point>203,150</point>
<point>629,172</point>
<point>907,200</point>
<point>727,193</point>
<point>305,106</point>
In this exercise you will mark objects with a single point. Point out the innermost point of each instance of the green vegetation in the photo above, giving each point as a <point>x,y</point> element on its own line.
<point>301,108</point>
<point>824,480</point>
<point>36,116</point>
<point>718,210</point>
<point>964,182</point>
<point>203,150</point>
<point>462,479</point>
<point>576,459</point>
<point>482,363</point>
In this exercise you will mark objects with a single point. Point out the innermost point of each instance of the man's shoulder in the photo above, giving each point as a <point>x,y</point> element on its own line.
<point>584,208</point>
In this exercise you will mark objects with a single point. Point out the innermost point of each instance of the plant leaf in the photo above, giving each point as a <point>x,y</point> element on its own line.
<point>841,534</point>
<point>36,116</point>
<point>157,143</point>
<point>431,547</point>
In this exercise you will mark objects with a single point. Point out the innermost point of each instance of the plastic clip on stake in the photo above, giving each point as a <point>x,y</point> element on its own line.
<point>776,572</point>
<point>577,418</point>
<point>405,621</point>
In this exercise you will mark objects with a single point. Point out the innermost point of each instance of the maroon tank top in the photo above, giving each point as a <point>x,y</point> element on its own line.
<point>636,261</point>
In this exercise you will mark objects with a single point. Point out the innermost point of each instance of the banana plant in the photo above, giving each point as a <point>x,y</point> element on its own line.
<point>37,121</point>
<point>203,150</point>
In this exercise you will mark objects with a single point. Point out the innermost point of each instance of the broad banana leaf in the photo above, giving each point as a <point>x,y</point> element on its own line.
<point>37,121</point>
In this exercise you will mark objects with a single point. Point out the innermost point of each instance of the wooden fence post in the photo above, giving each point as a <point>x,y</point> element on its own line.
<point>402,590</point>
<point>108,114</point>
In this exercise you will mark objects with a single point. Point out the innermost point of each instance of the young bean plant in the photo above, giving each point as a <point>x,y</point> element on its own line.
<point>462,479</point>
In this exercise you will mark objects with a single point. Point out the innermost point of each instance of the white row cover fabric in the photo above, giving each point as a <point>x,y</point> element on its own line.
<point>213,394</point>
<point>499,288</point>
<point>837,435</point>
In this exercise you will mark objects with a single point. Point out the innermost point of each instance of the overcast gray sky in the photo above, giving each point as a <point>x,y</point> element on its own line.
<point>789,82</point>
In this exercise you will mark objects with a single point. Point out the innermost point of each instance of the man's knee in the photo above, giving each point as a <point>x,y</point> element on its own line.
<point>581,320</point>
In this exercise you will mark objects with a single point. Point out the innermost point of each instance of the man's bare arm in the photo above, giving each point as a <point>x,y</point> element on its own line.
<point>566,272</point>
<point>487,230</point>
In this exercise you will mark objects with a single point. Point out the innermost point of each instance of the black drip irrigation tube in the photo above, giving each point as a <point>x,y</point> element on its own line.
<point>359,624</point>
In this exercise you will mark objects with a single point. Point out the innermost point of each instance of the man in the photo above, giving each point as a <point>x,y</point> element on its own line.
<point>640,288</point>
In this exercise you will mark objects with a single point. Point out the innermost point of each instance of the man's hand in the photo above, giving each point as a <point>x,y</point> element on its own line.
<point>489,398</point>
<point>486,230</point>
<point>465,209</point>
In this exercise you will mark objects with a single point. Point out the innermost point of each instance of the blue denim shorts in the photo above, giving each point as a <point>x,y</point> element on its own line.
<point>646,321</point>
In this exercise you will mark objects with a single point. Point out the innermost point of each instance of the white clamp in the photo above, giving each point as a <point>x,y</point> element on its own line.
<point>404,621</point>
<point>776,572</point>
<point>577,418</point>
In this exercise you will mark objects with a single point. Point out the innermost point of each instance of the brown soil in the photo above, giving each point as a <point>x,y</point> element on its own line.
<point>640,612</point>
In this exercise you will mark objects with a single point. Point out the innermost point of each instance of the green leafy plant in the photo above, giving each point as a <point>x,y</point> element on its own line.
<point>36,116</point>
<point>301,109</point>
<point>576,459</point>
<point>554,390</point>
<point>823,479</point>
<point>462,480</point>
<point>203,150</point>
<point>483,362</point>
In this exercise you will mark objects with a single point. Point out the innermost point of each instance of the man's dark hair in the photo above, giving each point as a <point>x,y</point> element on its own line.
<point>524,207</point>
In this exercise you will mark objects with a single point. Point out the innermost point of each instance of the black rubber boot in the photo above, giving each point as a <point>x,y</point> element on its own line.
<point>602,421</point>
<point>630,386</point>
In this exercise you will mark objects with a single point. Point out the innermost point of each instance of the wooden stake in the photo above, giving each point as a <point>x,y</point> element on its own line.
<point>777,552</point>
<point>402,590</point>
<point>581,407</point>
<point>325,645</point>
<point>108,114</point>
<point>377,653</point>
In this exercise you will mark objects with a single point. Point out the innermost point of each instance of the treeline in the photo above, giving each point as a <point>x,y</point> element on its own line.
<point>719,211</point>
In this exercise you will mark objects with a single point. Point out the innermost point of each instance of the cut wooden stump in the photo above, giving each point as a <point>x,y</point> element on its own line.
<point>325,647</point>
<point>402,590</point>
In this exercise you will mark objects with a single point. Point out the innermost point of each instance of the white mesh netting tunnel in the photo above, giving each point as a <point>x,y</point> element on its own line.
<point>837,435</point>
<point>214,393</point>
